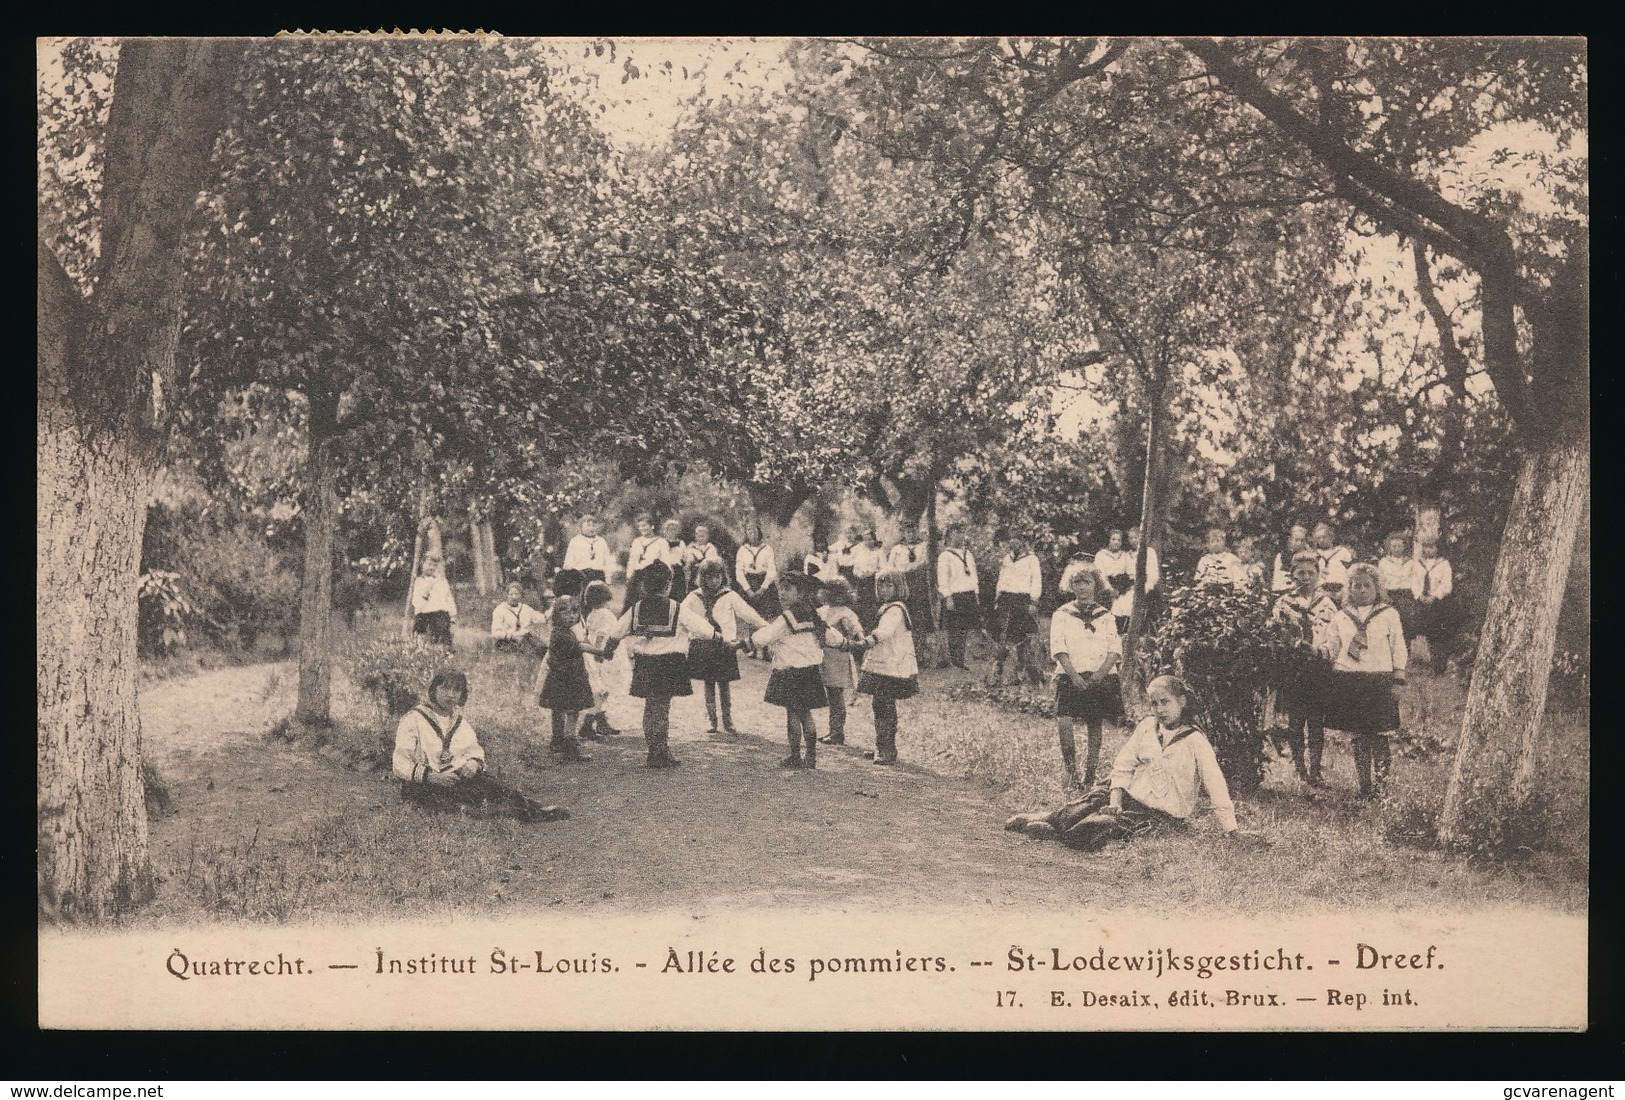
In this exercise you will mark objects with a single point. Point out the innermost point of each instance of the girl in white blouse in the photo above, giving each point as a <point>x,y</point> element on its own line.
<point>1366,645</point>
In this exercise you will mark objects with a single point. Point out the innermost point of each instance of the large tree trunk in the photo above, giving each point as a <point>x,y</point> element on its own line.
<point>316,592</point>
<point>1507,698</point>
<point>102,367</point>
<point>777,503</point>
<point>91,801</point>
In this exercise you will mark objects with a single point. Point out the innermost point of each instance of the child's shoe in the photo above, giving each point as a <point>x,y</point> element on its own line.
<point>1039,830</point>
<point>791,762</point>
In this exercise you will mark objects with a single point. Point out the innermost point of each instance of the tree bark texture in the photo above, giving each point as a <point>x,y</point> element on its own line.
<point>315,702</point>
<point>1506,701</point>
<point>1152,512</point>
<point>101,367</point>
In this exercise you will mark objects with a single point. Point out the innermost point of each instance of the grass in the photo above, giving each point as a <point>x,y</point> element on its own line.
<point>337,841</point>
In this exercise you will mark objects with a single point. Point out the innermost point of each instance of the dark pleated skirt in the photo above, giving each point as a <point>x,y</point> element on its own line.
<point>566,686</point>
<point>882,686</point>
<point>713,662</point>
<point>1097,701</point>
<point>660,676</point>
<point>1361,702</point>
<point>797,688</point>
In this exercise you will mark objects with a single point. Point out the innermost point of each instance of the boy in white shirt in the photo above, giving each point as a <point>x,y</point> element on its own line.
<point>1335,560</point>
<point>588,552</point>
<point>1434,604</point>
<point>516,626</point>
<point>1218,565</point>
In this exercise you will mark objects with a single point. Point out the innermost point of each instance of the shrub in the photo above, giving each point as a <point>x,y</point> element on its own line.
<point>1227,647</point>
<point>394,672</point>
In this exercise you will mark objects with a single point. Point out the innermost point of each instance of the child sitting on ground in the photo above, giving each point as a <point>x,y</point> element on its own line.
<point>441,766</point>
<point>1155,779</point>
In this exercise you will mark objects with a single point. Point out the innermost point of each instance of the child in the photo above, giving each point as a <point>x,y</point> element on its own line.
<point>660,631</point>
<point>1335,560</point>
<point>1297,542</point>
<point>1116,564</point>
<point>1123,606</point>
<point>675,556</point>
<point>433,607</point>
<point>1250,565</point>
<point>1399,577</point>
<point>440,764</point>
<point>566,688</point>
<point>957,584</point>
<point>1301,683</point>
<point>817,563</point>
<point>1367,647</point>
<point>588,552</point>
<point>1218,565</point>
<point>1019,588</point>
<point>1433,610</point>
<point>835,598</point>
<point>1085,646</point>
<point>867,561</point>
<point>890,670</point>
<point>515,625</point>
<point>600,627</point>
<point>757,569</point>
<point>646,549</point>
<point>841,556</point>
<point>700,551</point>
<point>1155,780</point>
<point>716,662</point>
<point>797,639</point>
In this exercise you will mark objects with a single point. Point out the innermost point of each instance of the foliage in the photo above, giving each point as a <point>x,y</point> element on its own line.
<point>1229,649</point>
<point>164,612</point>
<point>394,672</point>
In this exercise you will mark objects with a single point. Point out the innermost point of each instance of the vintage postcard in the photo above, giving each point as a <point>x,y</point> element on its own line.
<point>827,534</point>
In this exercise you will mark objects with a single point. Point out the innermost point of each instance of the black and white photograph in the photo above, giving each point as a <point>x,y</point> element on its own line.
<point>787,534</point>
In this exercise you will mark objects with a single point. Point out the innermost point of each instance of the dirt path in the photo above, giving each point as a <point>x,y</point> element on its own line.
<point>727,829</point>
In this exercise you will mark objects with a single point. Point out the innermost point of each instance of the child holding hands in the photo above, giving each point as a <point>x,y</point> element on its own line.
<point>890,670</point>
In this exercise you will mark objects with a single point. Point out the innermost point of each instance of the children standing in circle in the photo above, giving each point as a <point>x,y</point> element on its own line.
<point>1367,647</point>
<point>1301,680</point>
<point>566,689</point>
<point>957,586</point>
<point>658,633</point>
<point>796,639</point>
<point>890,670</point>
<point>1155,780</point>
<point>835,598</point>
<point>647,548</point>
<point>433,607</point>
<point>1085,646</point>
<point>600,627</point>
<point>715,662</point>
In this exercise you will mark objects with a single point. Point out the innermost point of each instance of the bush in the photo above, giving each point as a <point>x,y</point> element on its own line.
<point>1226,646</point>
<point>394,672</point>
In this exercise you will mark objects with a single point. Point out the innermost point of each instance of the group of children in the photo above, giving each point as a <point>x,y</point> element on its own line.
<point>851,618</point>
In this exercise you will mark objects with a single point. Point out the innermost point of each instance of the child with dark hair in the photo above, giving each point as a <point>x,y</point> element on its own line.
<point>441,766</point>
<point>797,639</point>
<point>659,631</point>
<point>1086,649</point>
<point>957,586</point>
<point>599,622</point>
<point>1155,780</point>
<point>1302,676</point>
<point>566,690</point>
<point>715,663</point>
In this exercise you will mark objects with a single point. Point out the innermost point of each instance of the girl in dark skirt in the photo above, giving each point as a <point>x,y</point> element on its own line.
<point>566,689</point>
<point>797,640</point>
<point>716,662</point>
<point>1300,680</point>
<point>890,670</point>
<point>1366,645</point>
<point>659,632</point>
<point>1085,646</point>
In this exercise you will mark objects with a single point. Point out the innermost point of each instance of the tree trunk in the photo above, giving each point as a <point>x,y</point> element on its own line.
<point>777,503</point>
<point>1152,512</point>
<point>91,801</point>
<point>1507,697</point>
<point>102,366</point>
<point>476,548</point>
<point>316,592</point>
<point>488,545</point>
